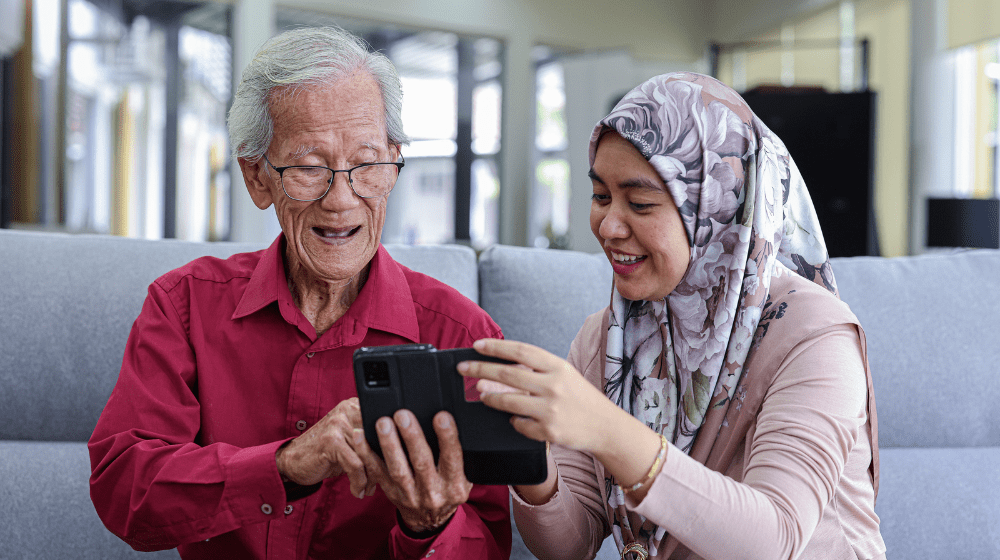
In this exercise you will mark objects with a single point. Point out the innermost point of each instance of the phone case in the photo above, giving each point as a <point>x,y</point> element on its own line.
<point>424,380</point>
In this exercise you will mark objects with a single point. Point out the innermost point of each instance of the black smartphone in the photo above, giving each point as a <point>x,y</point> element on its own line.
<point>424,380</point>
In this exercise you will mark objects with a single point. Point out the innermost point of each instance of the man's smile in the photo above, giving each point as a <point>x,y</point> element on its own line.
<point>335,233</point>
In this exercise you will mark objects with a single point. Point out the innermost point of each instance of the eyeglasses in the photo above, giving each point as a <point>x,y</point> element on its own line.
<point>306,183</point>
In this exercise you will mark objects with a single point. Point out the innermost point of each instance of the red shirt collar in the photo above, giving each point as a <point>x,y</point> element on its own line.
<point>385,302</point>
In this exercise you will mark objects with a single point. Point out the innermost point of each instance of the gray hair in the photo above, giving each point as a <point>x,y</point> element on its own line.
<point>299,59</point>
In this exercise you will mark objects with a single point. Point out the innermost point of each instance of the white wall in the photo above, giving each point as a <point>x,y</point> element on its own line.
<point>739,20</point>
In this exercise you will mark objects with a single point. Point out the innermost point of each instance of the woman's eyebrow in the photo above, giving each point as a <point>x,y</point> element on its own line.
<point>634,183</point>
<point>641,183</point>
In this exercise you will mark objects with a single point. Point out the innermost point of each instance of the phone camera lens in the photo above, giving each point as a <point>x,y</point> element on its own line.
<point>376,374</point>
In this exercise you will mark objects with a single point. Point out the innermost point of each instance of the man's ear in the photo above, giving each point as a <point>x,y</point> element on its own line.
<point>255,175</point>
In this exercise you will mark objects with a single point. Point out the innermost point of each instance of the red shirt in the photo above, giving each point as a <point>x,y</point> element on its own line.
<point>220,369</point>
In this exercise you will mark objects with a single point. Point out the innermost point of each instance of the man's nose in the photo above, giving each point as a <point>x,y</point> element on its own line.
<point>340,196</point>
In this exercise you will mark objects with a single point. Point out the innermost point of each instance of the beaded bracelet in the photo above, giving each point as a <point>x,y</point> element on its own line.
<point>652,470</point>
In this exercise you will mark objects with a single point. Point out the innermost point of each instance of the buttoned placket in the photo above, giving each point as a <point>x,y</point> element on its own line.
<point>305,401</point>
<point>303,411</point>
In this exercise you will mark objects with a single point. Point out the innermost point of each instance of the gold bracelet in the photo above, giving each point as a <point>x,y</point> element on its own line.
<point>652,470</point>
<point>637,549</point>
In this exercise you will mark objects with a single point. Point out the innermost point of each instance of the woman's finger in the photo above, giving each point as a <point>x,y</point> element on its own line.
<point>516,403</point>
<point>529,427</point>
<point>520,352</point>
<point>513,376</point>
<point>489,386</point>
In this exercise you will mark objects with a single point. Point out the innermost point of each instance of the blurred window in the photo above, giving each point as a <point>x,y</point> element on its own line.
<point>131,103</point>
<point>550,195</point>
<point>977,82</point>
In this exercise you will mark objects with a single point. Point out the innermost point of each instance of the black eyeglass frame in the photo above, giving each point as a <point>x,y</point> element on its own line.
<point>281,171</point>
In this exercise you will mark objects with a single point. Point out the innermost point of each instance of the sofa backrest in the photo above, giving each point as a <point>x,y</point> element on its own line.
<point>67,304</point>
<point>542,296</point>
<point>933,328</point>
<point>932,324</point>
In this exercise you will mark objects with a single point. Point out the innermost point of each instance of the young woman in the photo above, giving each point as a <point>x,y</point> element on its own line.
<point>721,405</point>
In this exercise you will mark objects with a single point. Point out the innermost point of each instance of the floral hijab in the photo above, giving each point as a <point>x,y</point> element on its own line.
<point>675,364</point>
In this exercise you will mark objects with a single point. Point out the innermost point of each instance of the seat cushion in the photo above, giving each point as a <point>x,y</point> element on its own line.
<point>940,502</point>
<point>47,512</point>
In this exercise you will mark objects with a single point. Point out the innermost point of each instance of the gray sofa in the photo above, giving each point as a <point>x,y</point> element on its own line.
<point>933,322</point>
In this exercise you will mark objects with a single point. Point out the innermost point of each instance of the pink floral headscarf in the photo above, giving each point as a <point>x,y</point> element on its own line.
<point>675,364</point>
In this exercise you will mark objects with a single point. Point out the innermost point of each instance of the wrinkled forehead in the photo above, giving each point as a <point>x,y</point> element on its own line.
<point>351,106</point>
<point>358,88</point>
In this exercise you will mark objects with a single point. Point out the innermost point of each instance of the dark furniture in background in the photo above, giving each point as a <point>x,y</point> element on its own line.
<point>831,137</point>
<point>963,222</point>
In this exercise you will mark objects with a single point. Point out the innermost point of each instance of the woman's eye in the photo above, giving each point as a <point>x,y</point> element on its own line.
<point>596,197</point>
<point>640,206</point>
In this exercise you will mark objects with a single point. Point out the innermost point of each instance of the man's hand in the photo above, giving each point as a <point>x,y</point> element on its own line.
<point>425,494</point>
<point>325,450</point>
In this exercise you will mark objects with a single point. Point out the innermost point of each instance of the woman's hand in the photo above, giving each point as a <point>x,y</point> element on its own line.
<point>550,400</point>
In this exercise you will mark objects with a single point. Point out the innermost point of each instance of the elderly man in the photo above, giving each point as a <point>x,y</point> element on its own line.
<point>234,428</point>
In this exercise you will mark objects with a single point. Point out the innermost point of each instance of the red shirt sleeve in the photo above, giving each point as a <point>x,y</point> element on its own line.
<point>480,528</point>
<point>153,486</point>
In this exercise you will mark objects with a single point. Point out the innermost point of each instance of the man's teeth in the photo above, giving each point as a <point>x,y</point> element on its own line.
<point>334,234</point>
<point>626,259</point>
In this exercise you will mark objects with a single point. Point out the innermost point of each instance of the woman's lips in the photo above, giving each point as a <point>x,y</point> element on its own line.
<point>624,263</point>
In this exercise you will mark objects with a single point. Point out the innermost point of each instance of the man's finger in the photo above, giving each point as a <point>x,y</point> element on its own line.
<point>374,466</point>
<point>353,412</point>
<point>353,467</point>
<point>451,464</point>
<point>421,457</point>
<point>397,466</point>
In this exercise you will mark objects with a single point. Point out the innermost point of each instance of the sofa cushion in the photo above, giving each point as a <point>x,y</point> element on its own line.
<point>516,284</point>
<point>940,502</point>
<point>47,511</point>
<point>69,302</point>
<point>933,329</point>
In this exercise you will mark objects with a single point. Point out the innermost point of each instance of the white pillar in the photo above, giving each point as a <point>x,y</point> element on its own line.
<point>253,24</point>
<point>518,115</point>
<point>932,126</point>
